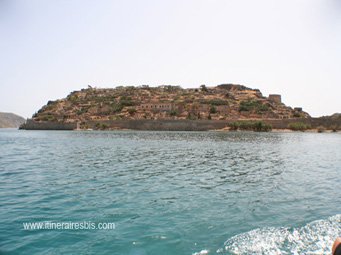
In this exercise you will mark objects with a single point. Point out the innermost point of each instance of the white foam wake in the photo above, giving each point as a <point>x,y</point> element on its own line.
<point>314,238</point>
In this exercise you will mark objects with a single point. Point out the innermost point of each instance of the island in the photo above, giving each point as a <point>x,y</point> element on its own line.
<point>168,107</point>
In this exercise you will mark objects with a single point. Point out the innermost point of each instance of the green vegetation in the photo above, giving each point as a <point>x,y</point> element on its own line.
<point>218,102</point>
<point>132,111</point>
<point>190,116</point>
<point>299,126</point>
<point>258,126</point>
<point>126,101</point>
<point>101,126</point>
<point>173,113</point>
<point>252,105</point>
<point>48,117</point>
<point>215,102</point>
<point>213,109</point>
<point>81,111</point>
<point>116,107</point>
<point>203,88</point>
<point>72,98</point>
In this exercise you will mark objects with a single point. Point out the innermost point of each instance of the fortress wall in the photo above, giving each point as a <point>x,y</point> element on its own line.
<point>175,125</point>
<point>167,125</point>
<point>203,125</point>
<point>47,125</point>
<point>314,122</point>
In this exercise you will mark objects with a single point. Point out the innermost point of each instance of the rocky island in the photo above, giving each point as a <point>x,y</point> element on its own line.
<point>168,107</point>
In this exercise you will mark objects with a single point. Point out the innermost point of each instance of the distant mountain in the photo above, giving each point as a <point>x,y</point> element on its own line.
<point>10,120</point>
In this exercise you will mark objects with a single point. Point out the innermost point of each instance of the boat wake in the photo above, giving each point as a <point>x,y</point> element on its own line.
<point>316,237</point>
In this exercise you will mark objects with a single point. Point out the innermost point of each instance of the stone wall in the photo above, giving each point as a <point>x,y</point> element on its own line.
<point>47,125</point>
<point>313,122</point>
<point>174,125</point>
<point>167,125</point>
<point>203,125</point>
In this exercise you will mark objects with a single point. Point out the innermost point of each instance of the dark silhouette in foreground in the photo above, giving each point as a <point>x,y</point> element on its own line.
<point>336,250</point>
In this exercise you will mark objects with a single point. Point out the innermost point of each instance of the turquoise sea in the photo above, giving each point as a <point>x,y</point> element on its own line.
<point>170,192</point>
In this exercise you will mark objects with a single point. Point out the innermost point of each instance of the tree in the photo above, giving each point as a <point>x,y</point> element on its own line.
<point>203,88</point>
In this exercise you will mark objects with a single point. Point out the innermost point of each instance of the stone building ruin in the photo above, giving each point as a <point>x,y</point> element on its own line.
<point>275,98</point>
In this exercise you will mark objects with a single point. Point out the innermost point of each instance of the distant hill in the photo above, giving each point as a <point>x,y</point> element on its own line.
<point>10,120</point>
<point>222,102</point>
<point>336,116</point>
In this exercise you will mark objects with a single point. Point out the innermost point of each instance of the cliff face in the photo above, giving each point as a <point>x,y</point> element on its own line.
<point>223,102</point>
<point>10,120</point>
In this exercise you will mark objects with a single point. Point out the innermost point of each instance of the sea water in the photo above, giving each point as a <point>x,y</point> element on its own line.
<point>170,192</point>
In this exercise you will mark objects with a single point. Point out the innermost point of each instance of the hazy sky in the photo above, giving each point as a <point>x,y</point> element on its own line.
<point>49,48</point>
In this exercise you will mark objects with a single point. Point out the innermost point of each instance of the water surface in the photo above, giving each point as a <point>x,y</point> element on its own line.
<point>170,192</point>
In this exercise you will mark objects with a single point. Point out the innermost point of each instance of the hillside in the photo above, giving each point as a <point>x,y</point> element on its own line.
<point>227,101</point>
<point>10,120</point>
<point>335,116</point>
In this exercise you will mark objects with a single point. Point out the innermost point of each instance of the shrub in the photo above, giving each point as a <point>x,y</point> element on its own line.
<point>252,105</point>
<point>81,111</point>
<point>258,126</point>
<point>49,118</point>
<point>190,116</point>
<point>73,98</point>
<point>131,111</point>
<point>218,102</point>
<point>126,101</point>
<point>116,107</point>
<point>173,113</point>
<point>262,127</point>
<point>213,109</point>
<point>299,126</point>
<point>203,88</point>
<point>101,126</point>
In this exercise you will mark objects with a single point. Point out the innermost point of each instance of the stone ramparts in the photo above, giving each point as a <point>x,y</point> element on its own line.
<point>173,125</point>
